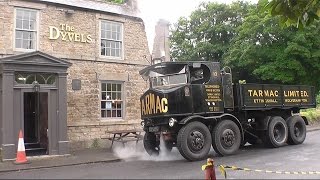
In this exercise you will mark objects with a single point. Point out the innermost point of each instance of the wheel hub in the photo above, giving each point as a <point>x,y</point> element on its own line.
<point>278,132</point>
<point>197,140</point>
<point>297,131</point>
<point>228,137</point>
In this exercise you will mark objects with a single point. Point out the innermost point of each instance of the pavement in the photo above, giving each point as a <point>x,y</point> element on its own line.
<point>86,156</point>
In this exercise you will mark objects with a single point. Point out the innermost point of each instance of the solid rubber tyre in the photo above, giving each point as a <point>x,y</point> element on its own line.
<point>277,132</point>
<point>226,138</point>
<point>297,130</point>
<point>151,145</point>
<point>194,141</point>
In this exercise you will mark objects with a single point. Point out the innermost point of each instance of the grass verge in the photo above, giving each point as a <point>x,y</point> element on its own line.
<point>313,115</point>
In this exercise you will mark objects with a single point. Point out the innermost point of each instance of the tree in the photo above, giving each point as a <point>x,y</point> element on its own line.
<point>298,13</point>
<point>116,1</point>
<point>206,34</point>
<point>265,52</point>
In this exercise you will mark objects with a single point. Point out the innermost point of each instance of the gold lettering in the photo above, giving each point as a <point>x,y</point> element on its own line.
<point>77,37</point>
<point>266,93</point>
<point>54,32</point>
<point>67,34</point>
<point>62,27</point>
<point>89,39</point>
<point>304,94</point>
<point>250,92</point>
<point>292,100</point>
<point>271,94</point>
<point>258,100</point>
<point>271,101</point>
<point>276,93</point>
<point>64,36</point>
<point>212,86</point>
<point>83,40</point>
<point>260,93</point>
<point>69,28</point>
<point>152,104</point>
<point>255,93</point>
<point>147,104</point>
<point>164,105</point>
<point>143,110</point>
<point>71,36</point>
<point>158,106</point>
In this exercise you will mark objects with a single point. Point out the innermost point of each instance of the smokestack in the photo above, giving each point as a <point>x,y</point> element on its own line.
<point>133,4</point>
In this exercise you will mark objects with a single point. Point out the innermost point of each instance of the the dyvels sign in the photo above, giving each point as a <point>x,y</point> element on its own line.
<point>68,33</point>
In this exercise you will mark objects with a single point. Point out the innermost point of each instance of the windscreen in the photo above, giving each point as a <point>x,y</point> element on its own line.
<point>163,77</point>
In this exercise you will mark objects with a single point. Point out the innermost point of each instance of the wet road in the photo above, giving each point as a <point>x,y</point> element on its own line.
<point>138,165</point>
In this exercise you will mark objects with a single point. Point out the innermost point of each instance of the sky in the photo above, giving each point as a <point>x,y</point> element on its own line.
<point>153,10</point>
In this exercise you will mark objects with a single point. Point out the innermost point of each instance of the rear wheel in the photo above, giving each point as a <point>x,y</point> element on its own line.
<point>194,141</point>
<point>226,137</point>
<point>277,133</point>
<point>151,145</point>
<point>297,130</point>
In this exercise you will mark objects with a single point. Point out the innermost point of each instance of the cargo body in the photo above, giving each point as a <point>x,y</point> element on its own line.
<point>268,96</point>
<point>195,105</point>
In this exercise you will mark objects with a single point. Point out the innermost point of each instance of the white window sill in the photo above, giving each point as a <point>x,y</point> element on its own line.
<point>24,50</point>
<point>111,58</point>
<point>111,120</point>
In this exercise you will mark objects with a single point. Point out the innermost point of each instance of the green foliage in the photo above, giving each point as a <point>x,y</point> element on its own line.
<point>206,34</point>
<point>264,52</point>
<point>252,43</point>
<point>116,1</point>
<point>312,115</point>
<point>318,100</point>
<point>299,13</point>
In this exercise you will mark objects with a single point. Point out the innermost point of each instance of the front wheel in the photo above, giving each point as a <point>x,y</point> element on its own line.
<point>194,141</point>
<point>226,137</point>
<point>151,145</point>
<point>297,130</point>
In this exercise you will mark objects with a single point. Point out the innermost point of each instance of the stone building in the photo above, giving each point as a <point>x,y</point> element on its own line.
<point>161,46</point>
<point>69,73</point>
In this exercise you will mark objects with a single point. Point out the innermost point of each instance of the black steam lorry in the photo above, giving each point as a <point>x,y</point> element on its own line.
<point>195,105</point>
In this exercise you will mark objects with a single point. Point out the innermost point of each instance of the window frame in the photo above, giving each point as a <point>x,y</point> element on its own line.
<point>122,83</point>
<point>36,43</point>
<point>121,40</point>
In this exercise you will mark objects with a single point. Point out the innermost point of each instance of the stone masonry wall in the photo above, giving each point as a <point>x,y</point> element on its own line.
<point>84,122</point>
<point>6,28</point>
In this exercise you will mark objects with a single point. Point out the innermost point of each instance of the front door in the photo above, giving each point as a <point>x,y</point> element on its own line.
<point>36,122</point>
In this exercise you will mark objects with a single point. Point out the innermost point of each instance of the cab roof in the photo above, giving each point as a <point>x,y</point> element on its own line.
<point>174,65</point>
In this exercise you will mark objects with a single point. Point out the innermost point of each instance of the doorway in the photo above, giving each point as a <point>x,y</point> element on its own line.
<point>35,123</point>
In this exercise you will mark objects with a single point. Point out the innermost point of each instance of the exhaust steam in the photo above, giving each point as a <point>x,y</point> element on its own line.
<point>133,152</point>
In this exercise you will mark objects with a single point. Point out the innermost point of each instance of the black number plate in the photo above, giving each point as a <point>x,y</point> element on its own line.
<point>154,129</point>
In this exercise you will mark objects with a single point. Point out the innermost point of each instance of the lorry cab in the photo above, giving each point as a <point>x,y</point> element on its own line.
<point>182,89</point>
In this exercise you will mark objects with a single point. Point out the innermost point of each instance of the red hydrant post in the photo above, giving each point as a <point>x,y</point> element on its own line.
<point>209,170</point>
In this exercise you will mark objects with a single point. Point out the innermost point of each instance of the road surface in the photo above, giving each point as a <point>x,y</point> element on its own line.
<point>138,165</point>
